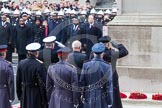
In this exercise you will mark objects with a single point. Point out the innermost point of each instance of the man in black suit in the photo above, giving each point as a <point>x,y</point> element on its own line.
<point>75,28</point>
<point>76,58</point>
<point>6,36</point>
<point>93,32</point>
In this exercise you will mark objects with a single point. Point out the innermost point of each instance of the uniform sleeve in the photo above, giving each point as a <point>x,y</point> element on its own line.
<point>109,86</point>
<point>29,35</point>
<point>82,80</point>
<point>42,82</point>
<point>122,51</point>
<point>74,83</point>
<point>49,85</point>
<point>11,83</point>
<point>18,83</point>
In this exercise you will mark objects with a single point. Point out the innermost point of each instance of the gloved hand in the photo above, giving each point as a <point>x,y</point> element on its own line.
<point>109,106</point>
<point>114,44</point>
<point>10,101</point>
<point>76,105</point>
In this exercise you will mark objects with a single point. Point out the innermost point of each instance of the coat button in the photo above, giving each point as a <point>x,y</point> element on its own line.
<point>5,85</point>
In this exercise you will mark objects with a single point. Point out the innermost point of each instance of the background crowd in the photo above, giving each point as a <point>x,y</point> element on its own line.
<point>28,22</point>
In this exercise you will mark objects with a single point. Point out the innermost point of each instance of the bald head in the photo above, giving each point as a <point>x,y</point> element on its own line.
<point>76,45</point>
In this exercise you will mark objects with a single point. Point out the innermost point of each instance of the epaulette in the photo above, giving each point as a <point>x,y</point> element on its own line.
<point>8,62</point>
<point>39,61</point>
<point>72,66</point>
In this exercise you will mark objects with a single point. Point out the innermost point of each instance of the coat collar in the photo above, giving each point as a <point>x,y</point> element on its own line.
<point>2,59</point>
<point>31,57</point>
<point>97,58</point>
<point>62,62</point>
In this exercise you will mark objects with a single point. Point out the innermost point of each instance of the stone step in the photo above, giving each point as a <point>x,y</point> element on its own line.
<point>142,79</point>
<point>142,102</point>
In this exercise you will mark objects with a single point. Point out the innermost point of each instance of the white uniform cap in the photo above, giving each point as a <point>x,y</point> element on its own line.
<point>115,10</point>
<point>33,47</point>
<point>16,12</point>
<point>38,13</point>
<point>83,12</point>
<point>28,12</point>
<point>60,13</point>
<point>47,10</point>
<point>52,13</point>
<point>5,0</point>
<point>107,11</point>
<point>6,11</point>
<point>2,10</point>
<point>49,39</point>
<point>100,12</point>
<point>24,10</point>
<point>73,12</point>
<point>93,11</point>
<point>68,11</point>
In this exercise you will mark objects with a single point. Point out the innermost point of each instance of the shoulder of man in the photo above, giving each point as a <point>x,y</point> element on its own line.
<point>72,66</point>
<point>8,62</point>
<point>39,61</point>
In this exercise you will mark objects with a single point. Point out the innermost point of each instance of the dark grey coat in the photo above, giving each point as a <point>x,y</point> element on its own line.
<point>6,83</point>
<point>60,77</point>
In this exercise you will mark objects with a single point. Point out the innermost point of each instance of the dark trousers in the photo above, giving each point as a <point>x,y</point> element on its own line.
<point>116,92</point>
<point>21,57</point>
<point>9,53</point>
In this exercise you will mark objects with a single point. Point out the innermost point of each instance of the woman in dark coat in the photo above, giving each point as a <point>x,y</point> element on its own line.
<point>38,31</point>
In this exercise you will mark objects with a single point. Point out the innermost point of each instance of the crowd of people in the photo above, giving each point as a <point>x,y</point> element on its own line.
<point>49,74</point>
<point>22,26</point>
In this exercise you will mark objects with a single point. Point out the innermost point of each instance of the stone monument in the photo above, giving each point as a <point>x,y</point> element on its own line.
<point>139,27</point>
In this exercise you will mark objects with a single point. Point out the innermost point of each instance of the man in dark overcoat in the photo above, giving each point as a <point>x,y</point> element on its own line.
<point>77,58</point>
<point>111,55</point>
<point>6,36</point>
<point>23,36</point>
<point>6,80</point>
<point>30,80</point>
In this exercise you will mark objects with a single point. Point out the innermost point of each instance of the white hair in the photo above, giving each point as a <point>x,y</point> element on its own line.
<point>76,44</point>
